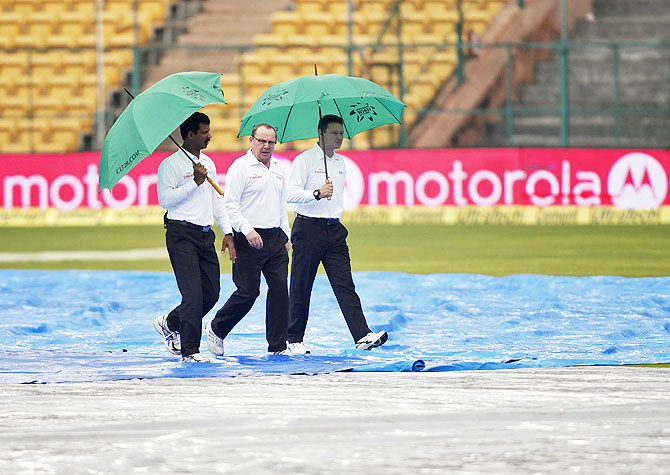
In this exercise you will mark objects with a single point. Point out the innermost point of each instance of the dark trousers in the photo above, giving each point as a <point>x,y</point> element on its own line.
<point>315,242</point>
<point>196,267</point>
<point>272,261</point>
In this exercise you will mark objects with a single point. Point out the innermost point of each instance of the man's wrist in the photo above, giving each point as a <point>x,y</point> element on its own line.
<point>317,194</point>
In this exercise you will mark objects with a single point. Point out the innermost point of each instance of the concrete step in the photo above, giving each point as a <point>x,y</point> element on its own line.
<point>603,71</point>
<point>633,128</point>
<point>640,93</point>
<point>532,140</point>
<point>630,8</point>
<point>625,28</point>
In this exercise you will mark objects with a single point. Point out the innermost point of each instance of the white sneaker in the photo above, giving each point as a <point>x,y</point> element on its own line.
<point>286,352</point>
<point>214,343</point>
<point>372,340</point>
<point>170,338</point>
<point>298,348</point>
<point>195,358</point>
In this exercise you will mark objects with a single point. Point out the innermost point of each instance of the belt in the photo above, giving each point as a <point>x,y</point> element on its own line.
<point>204,229</point>
<point>328,221</point>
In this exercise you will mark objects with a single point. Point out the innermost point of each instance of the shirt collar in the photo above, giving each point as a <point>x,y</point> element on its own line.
<point>252,160</point>
<point>318,150</point>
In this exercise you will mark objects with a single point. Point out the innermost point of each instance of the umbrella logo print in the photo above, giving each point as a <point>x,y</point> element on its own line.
<point>363,111</point>
<point>277,96</point>
<point>193,94</point>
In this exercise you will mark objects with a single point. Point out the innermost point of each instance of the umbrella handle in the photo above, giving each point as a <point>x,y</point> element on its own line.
<point>329,182</point>
<point>214,185</point>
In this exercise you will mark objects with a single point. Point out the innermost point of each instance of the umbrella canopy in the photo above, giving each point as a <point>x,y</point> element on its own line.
<point>294,107</point>
<point>151,117</point>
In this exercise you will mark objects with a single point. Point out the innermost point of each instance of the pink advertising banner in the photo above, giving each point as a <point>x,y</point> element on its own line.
<point>627,179</point>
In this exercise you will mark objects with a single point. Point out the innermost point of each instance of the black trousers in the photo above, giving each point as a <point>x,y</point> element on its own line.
<point>315,241</point>
<point>272,261</point>
<point>196,267</point>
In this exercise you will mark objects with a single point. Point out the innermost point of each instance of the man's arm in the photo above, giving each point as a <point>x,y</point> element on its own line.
<point>169,193</point>
<point>295,190</point>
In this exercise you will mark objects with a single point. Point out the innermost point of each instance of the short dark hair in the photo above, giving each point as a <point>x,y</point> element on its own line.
<point>329,119</point>
<point>253,131</point>
<point>192,124</point>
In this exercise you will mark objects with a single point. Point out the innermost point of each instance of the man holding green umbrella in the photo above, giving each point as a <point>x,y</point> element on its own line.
<point>192,205</point>
<point>319,237</point>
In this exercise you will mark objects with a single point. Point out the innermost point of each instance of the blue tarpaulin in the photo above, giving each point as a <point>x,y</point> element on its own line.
<point>61,326</point>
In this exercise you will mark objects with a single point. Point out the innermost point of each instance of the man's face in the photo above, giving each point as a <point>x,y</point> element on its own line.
<point>263,143</point>
<point>333,136</point>
<point>202,137</point>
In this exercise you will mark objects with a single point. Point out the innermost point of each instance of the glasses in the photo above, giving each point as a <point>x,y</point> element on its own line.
<point>271,143</point>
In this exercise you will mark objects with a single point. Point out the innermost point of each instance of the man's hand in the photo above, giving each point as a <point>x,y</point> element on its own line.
<point>326,191</point>
<point>229,244</point>
<point>255,240</point>
<point>288,246</point>
<point>199,173</point>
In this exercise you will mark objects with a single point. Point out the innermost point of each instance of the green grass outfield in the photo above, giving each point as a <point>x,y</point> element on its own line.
<point>630,251</point>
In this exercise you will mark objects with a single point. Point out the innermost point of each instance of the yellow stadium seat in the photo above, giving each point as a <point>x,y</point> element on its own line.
<point>269,40</point>
<point>317,24</point>
<point>300,44</point>
<point>311,6</point>
<point>55,7</point>
<point>29,41</point>
<point>59,41</point>
<point>424,87</point>
<point>444,25</point>
<point>254,63</point>
<point>156,10</point>
<point>14,64</point>
<point>282,65</point>
<point>15,106</point>
<point>75,23</point>
<point>79,106</point>
<point>443,63</point>
<point>40,23</point>
<point>331,45</point>
<point>47,106</point>
<point>61,86</point>
<point>305,64</point>
<point>337,7</point>
<point>414,24</point>
<point>24,6</point>
<point>257,85</point>
<point>76,64</point>
<point>11,25</point>
<point>285,23</point>
<point>45,64</point>
<point>65,137</point>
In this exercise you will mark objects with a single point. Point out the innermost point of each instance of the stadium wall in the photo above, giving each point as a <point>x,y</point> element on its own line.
<point>451,186</point>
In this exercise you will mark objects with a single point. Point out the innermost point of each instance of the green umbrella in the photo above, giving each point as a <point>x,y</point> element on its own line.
<point>151,117</point>
<point>294,107</point>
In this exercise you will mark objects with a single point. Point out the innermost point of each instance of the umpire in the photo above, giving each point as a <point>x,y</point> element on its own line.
<point>319,237</point>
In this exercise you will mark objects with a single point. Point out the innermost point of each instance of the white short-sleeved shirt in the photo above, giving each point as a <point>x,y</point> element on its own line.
<point>183,199</point>
<point>308,174</point>
<point>256,195</point>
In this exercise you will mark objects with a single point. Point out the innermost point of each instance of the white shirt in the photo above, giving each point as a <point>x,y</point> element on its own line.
<point>308,174</point>
<point>256,195</point>
<point>183,199</point>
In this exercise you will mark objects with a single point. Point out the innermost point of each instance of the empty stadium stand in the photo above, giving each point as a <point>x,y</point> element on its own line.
<point>48,68</point>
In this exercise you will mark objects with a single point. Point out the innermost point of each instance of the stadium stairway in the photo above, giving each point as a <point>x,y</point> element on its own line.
<point>644,82</point>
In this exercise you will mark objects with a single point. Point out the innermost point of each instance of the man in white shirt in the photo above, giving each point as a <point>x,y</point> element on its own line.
<point>319,237</point>
<point>192,205</point>
<point>256,204</point>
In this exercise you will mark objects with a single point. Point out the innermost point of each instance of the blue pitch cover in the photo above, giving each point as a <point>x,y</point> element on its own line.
<point>66,326</point>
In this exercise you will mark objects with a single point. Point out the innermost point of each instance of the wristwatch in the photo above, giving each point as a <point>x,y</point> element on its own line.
<point>317,195</point>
